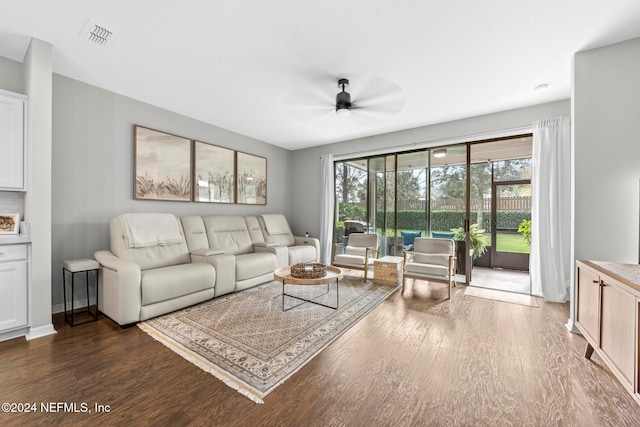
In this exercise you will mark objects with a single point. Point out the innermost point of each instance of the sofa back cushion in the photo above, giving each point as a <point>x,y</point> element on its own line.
<point>163,253</point>
<point>195,233</point>
<point>254,229</point>
<point>276,229</point>
<point>228,233</point>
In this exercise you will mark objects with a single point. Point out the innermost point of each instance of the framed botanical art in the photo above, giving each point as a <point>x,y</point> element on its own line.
<point>251,179</point>
<point>213,176</point>
<point>9,223</point>
<point>162,166</point>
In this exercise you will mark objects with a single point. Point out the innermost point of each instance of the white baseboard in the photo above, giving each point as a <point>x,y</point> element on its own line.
<point>571,327</point>
<point>40,331</point>
<point>21,332</point>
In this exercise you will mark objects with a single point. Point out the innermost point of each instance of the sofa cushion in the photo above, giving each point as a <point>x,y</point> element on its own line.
<point>148,257</point>
<point>195,233</point>
<point>441,259</point>
<point>255,264</point>
<point>276,229</point>
<point>161,284</point>
<point>352,260</point>
<point>228,233</point>
<point>427,269</point>
<point>254,229</point>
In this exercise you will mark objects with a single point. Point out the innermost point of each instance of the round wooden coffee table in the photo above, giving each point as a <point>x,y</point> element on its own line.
<point>283,275</point>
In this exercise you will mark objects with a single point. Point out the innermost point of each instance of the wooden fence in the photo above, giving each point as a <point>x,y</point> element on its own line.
<point>515,203</point>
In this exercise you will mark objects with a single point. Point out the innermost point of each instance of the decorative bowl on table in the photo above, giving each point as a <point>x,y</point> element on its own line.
<point>308,270</point>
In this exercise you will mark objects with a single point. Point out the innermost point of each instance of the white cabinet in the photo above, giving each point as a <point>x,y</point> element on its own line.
<point>13,286</point>
<point>12,141</point>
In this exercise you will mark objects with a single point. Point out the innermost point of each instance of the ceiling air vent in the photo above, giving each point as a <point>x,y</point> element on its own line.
<point>96,33</point>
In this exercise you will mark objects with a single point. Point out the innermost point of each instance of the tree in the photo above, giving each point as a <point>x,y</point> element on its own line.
<point>450,180</point>
<point>350,182</point>
<point>408,186</point>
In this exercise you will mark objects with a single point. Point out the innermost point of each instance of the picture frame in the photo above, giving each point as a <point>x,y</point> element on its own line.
<point>162,166</point>
<point>251,179</point>
<point>9,224</point>
<point>213,173</point>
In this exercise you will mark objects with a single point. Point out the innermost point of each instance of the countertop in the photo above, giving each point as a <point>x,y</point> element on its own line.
<point>23,237</point>
<point>629,273</point>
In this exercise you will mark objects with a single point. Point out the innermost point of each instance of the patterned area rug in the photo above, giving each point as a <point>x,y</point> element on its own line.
<point>248,342</point>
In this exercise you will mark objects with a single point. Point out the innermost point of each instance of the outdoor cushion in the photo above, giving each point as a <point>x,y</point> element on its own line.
<point>409,237</point>
<point>442,234</point>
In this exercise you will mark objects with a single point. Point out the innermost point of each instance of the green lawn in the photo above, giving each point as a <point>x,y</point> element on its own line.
<point>512,243</point>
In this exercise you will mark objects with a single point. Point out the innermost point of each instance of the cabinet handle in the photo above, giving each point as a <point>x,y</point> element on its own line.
<point>596,281</point>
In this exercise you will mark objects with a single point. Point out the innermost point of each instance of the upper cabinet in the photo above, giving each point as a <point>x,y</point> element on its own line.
<point>12,141</point>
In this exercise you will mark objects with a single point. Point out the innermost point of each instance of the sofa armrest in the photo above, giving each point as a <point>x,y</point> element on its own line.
<point>225,265</point>
<point>281,253</point>
<point>265,245</point>
<point>309,241</point>
<point>203,255</point>
<point>119,289</point>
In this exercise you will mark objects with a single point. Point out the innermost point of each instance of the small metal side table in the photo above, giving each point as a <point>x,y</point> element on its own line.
<point>72,268</point>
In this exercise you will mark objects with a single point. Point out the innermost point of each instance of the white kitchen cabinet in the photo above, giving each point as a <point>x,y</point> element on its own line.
<point>14,270</point>
<point>12,141</point>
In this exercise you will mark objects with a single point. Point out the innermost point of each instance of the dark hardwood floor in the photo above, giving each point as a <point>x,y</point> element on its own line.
<point>417,359</point>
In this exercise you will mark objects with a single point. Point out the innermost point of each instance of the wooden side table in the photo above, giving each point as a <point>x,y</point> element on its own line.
<point>388,270</point>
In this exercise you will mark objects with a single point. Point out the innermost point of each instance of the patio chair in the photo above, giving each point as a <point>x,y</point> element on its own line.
<point>359,253</point>
<point>433,260</point>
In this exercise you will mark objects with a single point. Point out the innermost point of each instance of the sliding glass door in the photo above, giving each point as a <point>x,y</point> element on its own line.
<point>448,204</point>
<point>464,192</point>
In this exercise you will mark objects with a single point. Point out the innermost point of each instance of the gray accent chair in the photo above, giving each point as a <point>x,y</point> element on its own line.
<point>432,260</point>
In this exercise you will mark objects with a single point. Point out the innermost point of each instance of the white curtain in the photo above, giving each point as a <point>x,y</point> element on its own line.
<point>550,262</point>
<point>327,205</point>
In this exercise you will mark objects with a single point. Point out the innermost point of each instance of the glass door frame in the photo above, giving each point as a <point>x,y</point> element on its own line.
<point>515,261</point>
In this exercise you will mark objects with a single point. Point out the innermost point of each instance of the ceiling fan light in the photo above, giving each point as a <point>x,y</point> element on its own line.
<point>343,112</point>
<point>440,152</point>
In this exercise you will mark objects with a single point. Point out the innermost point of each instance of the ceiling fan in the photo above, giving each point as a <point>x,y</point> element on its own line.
<point>374,98</point>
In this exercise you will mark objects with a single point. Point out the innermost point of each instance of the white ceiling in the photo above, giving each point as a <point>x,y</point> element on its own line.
<point>234,63</point>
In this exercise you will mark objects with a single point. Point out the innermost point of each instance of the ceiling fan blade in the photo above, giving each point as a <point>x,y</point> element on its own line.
<point>307,114</point>
<point>311,96</point>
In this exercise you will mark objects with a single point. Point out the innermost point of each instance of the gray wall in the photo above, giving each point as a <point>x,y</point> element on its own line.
<point>11,78</point>
<point>306,163</point>
<point>93,168</point>
<point>606,132</point>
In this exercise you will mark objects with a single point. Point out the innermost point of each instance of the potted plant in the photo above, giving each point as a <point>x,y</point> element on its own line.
<point>478,242</point>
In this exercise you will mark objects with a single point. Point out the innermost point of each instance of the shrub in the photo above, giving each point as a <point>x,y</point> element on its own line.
<point>347,211</point>
<point>525,229</point>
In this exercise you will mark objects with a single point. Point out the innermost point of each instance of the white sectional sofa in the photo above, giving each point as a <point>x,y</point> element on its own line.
<point>159,263</point>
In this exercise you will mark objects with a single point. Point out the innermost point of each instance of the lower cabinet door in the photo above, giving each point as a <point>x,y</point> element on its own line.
<point>588,307</point>
<point>617,330</point>
<point>13,295</point>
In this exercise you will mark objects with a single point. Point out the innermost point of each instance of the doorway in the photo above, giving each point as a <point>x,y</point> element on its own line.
<point>511,205</point>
